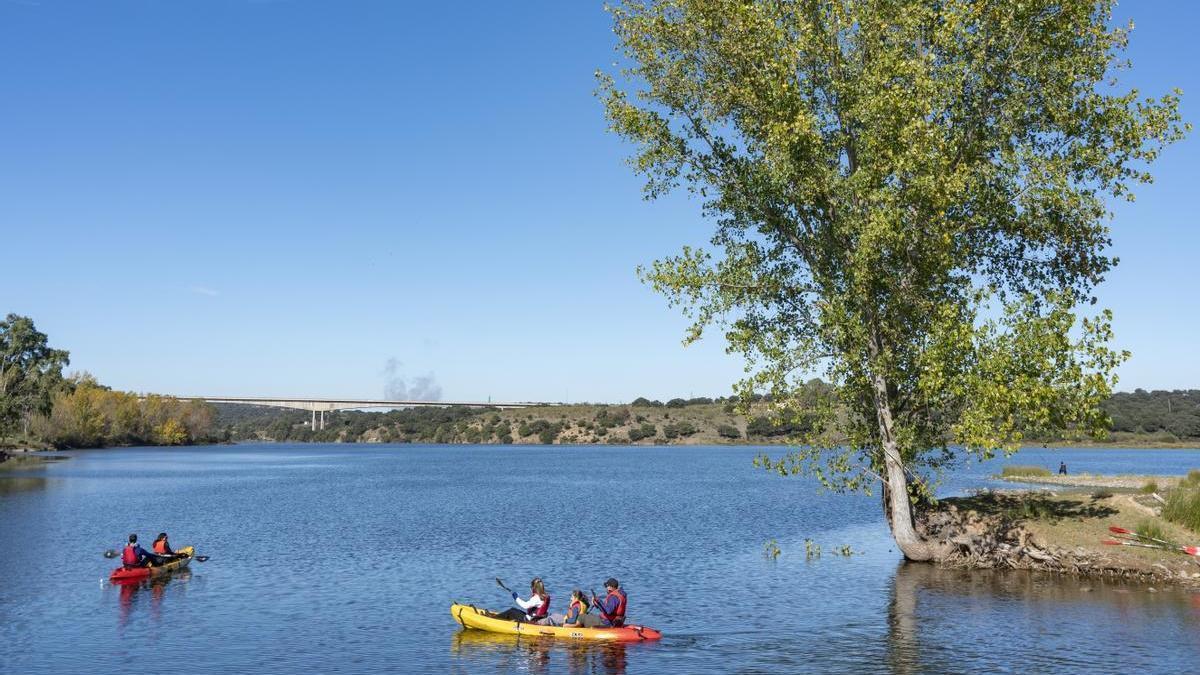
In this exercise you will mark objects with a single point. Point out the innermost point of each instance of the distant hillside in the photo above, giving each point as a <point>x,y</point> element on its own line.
<point>1171,415</point>
<point>1139,418</point>
<point>700,421</point>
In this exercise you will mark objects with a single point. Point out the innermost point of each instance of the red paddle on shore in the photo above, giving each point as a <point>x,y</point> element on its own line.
<point>1189,550</point>
<point>1120,530</point>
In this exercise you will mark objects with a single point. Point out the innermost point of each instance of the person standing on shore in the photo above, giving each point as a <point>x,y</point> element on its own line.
<point>1062,468</point>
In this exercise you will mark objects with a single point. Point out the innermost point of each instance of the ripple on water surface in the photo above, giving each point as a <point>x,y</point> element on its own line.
<point>346,558</point>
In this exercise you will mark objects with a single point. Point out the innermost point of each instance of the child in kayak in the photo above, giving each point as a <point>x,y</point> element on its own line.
<point>577,611</point>
<point>534,610</point>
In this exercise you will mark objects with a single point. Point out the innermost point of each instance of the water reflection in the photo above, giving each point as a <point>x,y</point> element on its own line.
<point>135,594</point>
<point>540,655</point>
<point>11,485</point>
<point>940,618</point>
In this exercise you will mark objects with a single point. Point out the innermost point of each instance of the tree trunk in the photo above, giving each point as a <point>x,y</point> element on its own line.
<point>897,506</point>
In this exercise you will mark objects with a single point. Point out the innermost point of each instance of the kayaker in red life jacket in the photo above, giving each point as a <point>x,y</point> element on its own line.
<point>136,556</point>
<point>534,610</point>
<point>612,607</point>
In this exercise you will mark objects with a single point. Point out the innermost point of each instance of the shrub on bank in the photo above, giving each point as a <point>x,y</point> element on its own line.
<point>645,431</point>
<point>1150,487</point>
<point>1017,470</point>
<point>679,429</point>
<point>728,431</point>
<point>1151,529</point>
<point>1183,507</point>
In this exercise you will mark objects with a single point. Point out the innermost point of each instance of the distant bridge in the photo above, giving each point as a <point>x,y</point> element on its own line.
<point>324,405</point>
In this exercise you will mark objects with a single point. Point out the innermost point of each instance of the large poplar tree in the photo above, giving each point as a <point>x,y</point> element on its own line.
<point>910,199</point>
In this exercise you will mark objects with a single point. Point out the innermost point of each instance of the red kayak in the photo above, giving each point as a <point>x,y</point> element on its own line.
<point>123,574</point>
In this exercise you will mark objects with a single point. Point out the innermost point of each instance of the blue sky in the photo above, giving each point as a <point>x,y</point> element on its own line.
<point>243,197</point>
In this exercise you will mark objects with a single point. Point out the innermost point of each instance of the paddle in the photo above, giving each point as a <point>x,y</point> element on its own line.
<point>1120,530</point>
<point>501,585</point>
<point>1114,542</point>
<point>1189,550</point>
<point>597,605</point>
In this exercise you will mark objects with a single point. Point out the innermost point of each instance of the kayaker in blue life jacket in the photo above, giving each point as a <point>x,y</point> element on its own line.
<point>136,556</point>
<point>534,610</point>
<point>612,607</point>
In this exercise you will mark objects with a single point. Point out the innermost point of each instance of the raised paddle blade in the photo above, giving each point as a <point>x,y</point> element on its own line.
<point>110,553</point>
<point>201,558</point>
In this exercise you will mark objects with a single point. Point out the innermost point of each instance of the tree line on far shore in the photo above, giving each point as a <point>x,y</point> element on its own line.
<point>40,407</point>
<point>1153,417</point>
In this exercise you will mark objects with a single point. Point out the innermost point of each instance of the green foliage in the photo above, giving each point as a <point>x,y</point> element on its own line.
<point>811,549</point>
<point>910,197</point>
<point>771,549</point>
<point>728,431</point>
<point>1183,507</point>
<point>608,418</point>
<point>1192,479</point>
<point>646,430</point>
<point>545,430</point>
<point>769,426</point>
<point>30,372</point>
<point>1149,412</point>
<point>1102,494</point>
<point>1149,487</point>
<point>678,429</point>
<point>1152,529</point>
<point>90,416</point>
<point>1017,471</point>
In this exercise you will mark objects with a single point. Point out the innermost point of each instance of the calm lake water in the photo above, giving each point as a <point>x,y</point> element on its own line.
<point>346,558</point>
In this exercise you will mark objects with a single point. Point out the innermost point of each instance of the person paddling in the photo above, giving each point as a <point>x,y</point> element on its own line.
<point>136,556</point>
<point>612,607</point>
<point>534,610</point>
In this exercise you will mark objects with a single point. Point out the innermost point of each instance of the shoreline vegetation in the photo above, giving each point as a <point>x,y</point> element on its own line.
<point>40,408</point>
<point>677,422</point>
<point>1093,526</point>
<point>88,415</point>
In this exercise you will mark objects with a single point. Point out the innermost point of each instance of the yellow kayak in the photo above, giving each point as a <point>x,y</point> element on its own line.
<point>481,619</point>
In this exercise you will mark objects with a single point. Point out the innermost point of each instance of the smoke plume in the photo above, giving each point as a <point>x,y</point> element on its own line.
<point>398,388</point>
